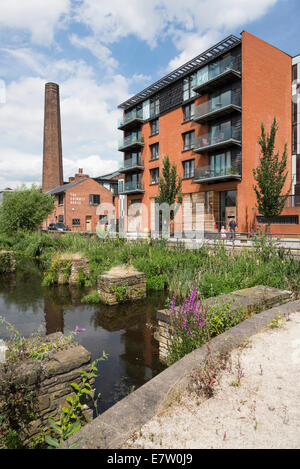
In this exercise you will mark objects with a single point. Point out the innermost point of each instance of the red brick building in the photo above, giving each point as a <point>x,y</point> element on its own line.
<point>206,117</point>
<point>78,204</point>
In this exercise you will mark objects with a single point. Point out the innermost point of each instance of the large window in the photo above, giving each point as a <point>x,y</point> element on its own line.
<point>154,175</point>
<point>188,84</point>
<point>154,106</point>
<point>154,149</point>
<point>188,169</point>
<point>188,140</point>
<point>154,127</point>
<point>188,112</point>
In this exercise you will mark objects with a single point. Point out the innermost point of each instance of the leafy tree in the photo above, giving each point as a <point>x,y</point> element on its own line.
<point>24,209</point>
<point>270,175</point>
<point>170,186</point>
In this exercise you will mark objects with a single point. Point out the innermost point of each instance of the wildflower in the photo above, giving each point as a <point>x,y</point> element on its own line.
<point>53,350</point>
<point>79,329</point>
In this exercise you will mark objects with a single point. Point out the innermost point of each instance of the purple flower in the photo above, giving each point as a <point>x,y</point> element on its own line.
<point>79,329</point>
<point>53,350</point>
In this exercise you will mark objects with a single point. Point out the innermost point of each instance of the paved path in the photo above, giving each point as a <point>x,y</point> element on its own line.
<point>263,411</point>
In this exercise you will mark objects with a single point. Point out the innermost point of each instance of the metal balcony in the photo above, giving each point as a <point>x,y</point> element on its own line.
<point>132,164</point>
<point>219,74</point>
<point>130,143</point>
<point>207,174</point>
<point>131,188</point>
<point>131,119</point>
<point>218,140</point>
<point>226,104</point>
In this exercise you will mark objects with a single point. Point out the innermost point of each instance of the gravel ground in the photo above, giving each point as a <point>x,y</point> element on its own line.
<point>256,403</point>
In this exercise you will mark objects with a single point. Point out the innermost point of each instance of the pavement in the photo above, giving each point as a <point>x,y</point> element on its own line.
<point>256,400</point>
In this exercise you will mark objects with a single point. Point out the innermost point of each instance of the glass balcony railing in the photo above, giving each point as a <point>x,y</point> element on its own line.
<point>218,105</point>
<point>132,163</point>
<point>130,117</point>
<point>131,141</point>
<point>206,173</point>
<point>218,138</point>
<point>226,66</point>
<point>131,187</point>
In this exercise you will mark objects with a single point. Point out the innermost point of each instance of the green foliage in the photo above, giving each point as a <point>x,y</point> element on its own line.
<point>24,209</point>
<point>4,262</point>
<point>92,298</point>
<point>170,186</point>
<point>121,292</point>
<point>72,418</point>
<point>270,175</point>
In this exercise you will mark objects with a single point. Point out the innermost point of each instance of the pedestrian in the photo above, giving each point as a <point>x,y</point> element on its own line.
<point>223,232</point>
<point>232,226</point>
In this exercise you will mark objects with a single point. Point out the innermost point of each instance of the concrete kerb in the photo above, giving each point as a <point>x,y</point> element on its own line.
<point>111,429</point>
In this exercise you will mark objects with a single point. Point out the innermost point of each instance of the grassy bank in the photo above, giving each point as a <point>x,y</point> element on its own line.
<point>177,269</point>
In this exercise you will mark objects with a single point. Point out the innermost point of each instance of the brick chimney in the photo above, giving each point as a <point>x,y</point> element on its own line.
<point>80,175</point>
<point>52,149</point>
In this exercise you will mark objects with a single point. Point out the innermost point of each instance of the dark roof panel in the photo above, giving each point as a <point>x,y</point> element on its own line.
<point>212,53</point>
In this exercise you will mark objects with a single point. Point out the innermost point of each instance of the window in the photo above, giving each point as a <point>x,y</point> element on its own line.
<point>294,72</point>
<point>154,106</point>
<point>188,169</point>
<point>76,222</point>
<point>294,139</point>
<point>206,200</point>
<point>94,199</point>
<point>294,112</point>
<point>188,112</point>
<point>154,175</point>
<point>154,127</point>
<point>281,220</point>
<point>188,84</point>
<point>188,140</point>
<point>60,218</point>
<point>60,199</point>
<point>154,149</point>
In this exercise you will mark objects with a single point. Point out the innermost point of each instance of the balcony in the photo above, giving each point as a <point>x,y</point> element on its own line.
<point>131,119</point>
<point>218,140</point>
<point>220,106</point>
<point>132,164</point>
<point>218,74</point>
<point>207,174</point>
<point>131,142</point>
<point>131,188</point>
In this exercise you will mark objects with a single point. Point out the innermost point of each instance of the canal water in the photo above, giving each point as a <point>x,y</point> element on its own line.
<point>125,332</point>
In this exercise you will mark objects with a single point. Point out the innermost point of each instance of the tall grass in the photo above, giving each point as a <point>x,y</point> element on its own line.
<point>213,271</point>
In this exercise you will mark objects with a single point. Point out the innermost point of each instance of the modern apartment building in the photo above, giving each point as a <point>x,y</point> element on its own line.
<point>206,116</point>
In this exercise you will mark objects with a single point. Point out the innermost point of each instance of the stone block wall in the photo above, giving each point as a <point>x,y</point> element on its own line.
<point>118,286</point>
<point>49,382</point>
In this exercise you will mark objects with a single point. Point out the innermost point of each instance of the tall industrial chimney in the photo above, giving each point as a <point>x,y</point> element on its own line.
<point>52,151</point>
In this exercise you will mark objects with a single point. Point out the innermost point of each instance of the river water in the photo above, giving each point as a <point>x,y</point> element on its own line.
<point>122,331</point>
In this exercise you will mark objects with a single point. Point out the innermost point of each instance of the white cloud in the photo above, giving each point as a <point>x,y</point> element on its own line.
<point>193,25</point>
<point>39,18</point>
<point>100,51</point>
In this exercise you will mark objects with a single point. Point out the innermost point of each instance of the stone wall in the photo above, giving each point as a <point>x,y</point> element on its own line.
<point>78,265</point>
<point>253,299</point>
<point>121,284</point>
<point>49,380</point>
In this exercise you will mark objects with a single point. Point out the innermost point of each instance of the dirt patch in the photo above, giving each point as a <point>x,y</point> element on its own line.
<point>255,404</point>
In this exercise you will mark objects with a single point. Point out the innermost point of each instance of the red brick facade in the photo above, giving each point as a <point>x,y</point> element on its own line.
<point>266,93</point>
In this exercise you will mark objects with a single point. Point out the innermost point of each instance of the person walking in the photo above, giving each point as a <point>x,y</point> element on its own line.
<point>232,226</point>
<point>223,232</point>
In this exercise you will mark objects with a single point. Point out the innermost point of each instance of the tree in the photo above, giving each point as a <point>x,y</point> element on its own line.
<point>170,186</point>
<point>24,209</point>
<point>270,175</point>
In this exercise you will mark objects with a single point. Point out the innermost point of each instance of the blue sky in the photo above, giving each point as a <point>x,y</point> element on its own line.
<point>101,52</point>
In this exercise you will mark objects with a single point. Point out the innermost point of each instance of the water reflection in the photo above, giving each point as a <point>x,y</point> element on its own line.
<point>122,331</point>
